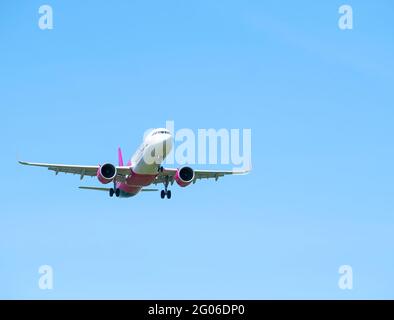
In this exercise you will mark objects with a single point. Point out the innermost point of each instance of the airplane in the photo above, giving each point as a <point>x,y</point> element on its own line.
<point>128,180</point>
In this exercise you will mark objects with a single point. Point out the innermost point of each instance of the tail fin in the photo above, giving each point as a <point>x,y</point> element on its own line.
<point>120,157</point>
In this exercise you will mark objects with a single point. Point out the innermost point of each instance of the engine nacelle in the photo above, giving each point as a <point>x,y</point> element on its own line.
<point>106,173</point>
<point>184,176</point>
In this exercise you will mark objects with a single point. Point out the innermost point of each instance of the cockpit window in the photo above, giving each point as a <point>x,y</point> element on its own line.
<point>161,132</point>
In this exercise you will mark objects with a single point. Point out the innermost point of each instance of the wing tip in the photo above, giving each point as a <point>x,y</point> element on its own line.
<point>244,171</point>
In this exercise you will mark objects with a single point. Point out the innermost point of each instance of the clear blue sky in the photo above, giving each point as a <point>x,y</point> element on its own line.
<point>319,101</point>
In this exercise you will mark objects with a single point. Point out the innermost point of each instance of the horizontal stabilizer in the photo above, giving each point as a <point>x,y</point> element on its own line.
<point>107,189</point>
<point>95,188</point>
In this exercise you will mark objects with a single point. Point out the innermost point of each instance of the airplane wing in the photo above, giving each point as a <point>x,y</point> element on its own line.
<point>82,171</point>
<point>198,174</point>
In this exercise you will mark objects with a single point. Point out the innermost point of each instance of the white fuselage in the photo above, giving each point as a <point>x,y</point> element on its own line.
<point>152,152</point>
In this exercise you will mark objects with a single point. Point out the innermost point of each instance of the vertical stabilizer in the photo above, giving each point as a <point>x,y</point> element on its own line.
<point>120,157</point>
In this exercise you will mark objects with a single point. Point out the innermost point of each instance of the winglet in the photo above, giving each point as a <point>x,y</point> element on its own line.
<point>120,157</point>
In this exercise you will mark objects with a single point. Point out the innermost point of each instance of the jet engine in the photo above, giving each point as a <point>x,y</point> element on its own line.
<point>184,176</point>
<point>106,173</point>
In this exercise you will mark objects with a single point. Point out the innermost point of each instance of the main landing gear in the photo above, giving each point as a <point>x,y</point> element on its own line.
<point>114,191</point>
<point>165,192</point>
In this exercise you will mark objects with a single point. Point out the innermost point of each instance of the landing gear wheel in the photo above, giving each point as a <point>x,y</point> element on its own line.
<point>111,192</point>
<point>165,192</point>
<point>117,192</point>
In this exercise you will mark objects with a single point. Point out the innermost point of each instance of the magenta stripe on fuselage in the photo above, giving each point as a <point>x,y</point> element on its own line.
<point>135,182</point>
